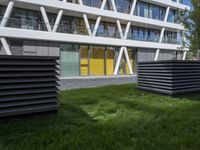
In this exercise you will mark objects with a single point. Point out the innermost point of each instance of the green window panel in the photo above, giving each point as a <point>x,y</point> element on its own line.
<point>69,60</point>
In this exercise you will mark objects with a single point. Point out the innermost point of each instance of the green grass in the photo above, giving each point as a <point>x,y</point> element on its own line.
<point>109,118</point>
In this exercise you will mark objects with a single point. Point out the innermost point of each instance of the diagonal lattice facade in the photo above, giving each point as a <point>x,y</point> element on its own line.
<point>78,7</point>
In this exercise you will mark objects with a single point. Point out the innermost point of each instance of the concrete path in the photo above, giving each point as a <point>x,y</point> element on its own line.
<point>85,82</point>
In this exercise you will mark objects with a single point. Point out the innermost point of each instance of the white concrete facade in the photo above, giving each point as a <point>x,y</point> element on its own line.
<point>62,7</point>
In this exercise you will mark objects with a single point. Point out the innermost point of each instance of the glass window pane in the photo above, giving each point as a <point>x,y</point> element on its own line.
<point>69,60</point>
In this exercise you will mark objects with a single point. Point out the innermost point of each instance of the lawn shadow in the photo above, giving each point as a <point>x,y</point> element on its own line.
<point>194,96</point>
<point>67,115</point>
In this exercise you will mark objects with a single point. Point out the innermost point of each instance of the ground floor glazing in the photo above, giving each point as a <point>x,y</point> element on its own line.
<point>84,60</point>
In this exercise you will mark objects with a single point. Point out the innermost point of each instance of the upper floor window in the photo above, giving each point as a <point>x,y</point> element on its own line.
<point>26,19</point>
<point>150,11</point>
<point>123,6</point>
<point>2,11</point>
<point>142,9</point>
<point>144,34</point>
<point>92,3</point>
<point>170,37</point>
<point>172,16</point>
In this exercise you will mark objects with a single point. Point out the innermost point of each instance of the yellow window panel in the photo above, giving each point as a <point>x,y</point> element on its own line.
<point>97,61</point>
<point>84,61</point>
<point>110,62</point>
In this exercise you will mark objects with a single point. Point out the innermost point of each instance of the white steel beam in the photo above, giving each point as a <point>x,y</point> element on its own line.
<point>133,7</point>
<point>166,14</point>
<point>103,4</point>
<point>127,30</point>
<point>128,60</point>
<point>87,24</point>
<point>120,29</point>
<point>45,18</point>
<point>124,49</point>
<point>157,54</point>
<point>80,2</point>
<point>57,22</point>
<point>3,24</point>
<point>96,26</point>
<point>161,35</point>
<point>118,60</point>
<point>6,46</point>
<point>113,5</point>
<point>7,14</point>
<point>184,55</point>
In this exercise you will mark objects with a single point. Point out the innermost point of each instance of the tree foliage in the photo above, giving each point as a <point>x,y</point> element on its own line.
<point>191,21</point>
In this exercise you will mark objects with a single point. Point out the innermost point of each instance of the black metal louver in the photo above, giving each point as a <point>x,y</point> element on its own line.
<point>169,77</point>
<point>28,84</point>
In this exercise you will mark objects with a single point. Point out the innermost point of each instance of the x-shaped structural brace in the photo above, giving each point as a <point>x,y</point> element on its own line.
<point>90,32</point>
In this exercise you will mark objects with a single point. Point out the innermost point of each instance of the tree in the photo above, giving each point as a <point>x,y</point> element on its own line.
<point>191,21</point>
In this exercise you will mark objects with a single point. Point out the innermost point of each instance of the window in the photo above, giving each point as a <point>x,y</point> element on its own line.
<point>142,9</point>
<point>69,60</point>
<point>101,30</point>
<point>2,10</point>
<point>154,35</point>
<point>92,3</point>
<point>172,16</point>
<point>170,37</point>
<point>143,34</point>
<point>149,11</point>
<point>26,19</point>
<point>154,12</point>
<point>123,6</point>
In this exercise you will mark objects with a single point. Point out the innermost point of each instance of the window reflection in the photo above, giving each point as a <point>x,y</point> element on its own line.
<point>143,34</point>
<point>123,6</point>
<point>172,16</point>
<point>170,37</point>
<point>149,11</point>
<point>92,3</point>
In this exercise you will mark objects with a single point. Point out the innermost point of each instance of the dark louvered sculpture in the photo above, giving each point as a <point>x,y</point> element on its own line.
<point>169,77</point>
<point>28,84</point>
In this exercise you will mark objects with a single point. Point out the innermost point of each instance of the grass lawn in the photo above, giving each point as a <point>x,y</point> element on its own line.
<point>109,118</point>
